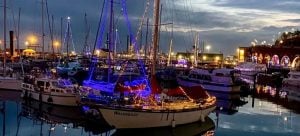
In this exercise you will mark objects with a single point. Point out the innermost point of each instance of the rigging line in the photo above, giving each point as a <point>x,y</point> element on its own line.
<point>118,17</point>
<point>86,48</point>
<point>134,40</point>
<point>50,29</point>
<point>14,21</point>
<point>188,18</point>
<point>142,20</point>
<point>98,38</point>
<point>191,25</point>
<point>72,38</point>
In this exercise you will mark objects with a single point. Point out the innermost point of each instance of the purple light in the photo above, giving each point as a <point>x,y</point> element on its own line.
<point>100,38</point>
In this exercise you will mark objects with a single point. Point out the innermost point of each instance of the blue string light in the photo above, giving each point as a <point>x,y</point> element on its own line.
<point>124,6</point>
<point>99,38</point>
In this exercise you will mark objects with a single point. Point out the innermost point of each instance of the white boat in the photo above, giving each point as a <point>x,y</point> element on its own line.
<point>249,70</point>
<point>52,91</point>
<point>162,108</point>
<point>292,85</point>
<point>212,80</point>
<point>10,83</point>
<point>137,108</point>
<point>156,116</point>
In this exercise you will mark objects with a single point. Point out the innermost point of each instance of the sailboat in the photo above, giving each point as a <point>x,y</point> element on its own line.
<point>69,68</point>
<point>137,109</point>
<point>106,80</point>
<point>7,83</point>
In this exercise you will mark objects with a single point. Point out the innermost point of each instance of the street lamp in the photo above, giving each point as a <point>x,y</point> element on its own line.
<point>172,53</point>
<point>98,53</point>
<point>0,43</point>
<point>26,43</point>
<point>32,39</point>
<point>56,44</point>
<point>207,48</point>
<point>281,41</point>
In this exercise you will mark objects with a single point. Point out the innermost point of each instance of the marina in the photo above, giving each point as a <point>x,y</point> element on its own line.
<point>268,112</point>
<point>149,67</point>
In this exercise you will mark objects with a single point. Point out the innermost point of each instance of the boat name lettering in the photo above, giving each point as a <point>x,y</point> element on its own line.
<point>125,113</point>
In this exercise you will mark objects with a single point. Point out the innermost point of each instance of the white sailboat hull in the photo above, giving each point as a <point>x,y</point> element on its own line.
<point>10,84</point>
<point>128,118</point>
<point>211,87</point>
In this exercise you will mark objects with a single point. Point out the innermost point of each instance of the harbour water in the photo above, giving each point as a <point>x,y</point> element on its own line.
<point>263,112</point>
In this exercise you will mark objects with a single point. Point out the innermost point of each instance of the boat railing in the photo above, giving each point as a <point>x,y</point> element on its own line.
<point>164,107</point>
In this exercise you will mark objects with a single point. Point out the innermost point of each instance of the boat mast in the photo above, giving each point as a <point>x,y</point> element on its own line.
<point>86,49</point>
<point>155,34</point>
<point>159,28</point>
<point>4,37</point>
<point>50,24</point>
<point>110,42</point>
<point>170,51</point>
<point>196,49</point>
<point>146,44</point>
<point>171,44</point>
<point>43,33</point>
<point>61,35</point>
<point>67,37</point>
<point>18,41</point>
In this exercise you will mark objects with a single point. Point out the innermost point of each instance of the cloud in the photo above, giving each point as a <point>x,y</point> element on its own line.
<point>224,23</point>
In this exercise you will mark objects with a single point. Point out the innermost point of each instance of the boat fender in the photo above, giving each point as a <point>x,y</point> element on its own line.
<point>202,118</point>
<point>25,94</point>
<point>30,96</point>
<point>93,113</point>
<point>173,124</point>
<point>50,99</point>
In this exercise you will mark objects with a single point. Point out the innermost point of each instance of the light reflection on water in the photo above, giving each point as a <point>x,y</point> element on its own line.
<point>265,112</point>
<point>35,118</point>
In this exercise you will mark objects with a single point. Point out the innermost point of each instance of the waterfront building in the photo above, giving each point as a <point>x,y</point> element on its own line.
<point>211,59</point>
<point>285,51</point>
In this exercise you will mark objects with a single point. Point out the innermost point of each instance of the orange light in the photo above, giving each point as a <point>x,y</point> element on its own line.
<point>56,43</point>
<point>32,39</point>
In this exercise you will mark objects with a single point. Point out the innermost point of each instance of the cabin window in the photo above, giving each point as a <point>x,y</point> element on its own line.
<point>193,76</point>
<point>206,77</point>
<point>296,76</point>
<point>219,74</point>
<point>47,84</point>
<point>200,77</point>
<point>40,83</point>
<point>52,90</point>
<point>55,84</point>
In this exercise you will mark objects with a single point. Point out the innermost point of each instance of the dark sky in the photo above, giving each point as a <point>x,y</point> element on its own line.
<point>222,24</point>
